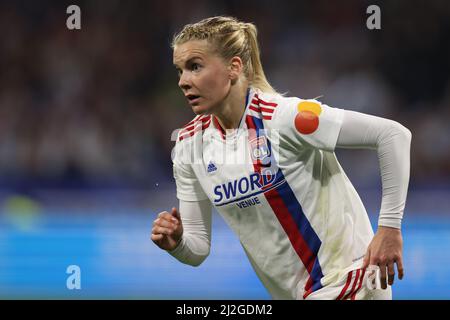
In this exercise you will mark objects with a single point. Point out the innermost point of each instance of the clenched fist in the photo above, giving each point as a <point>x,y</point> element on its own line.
<point>167,230</point>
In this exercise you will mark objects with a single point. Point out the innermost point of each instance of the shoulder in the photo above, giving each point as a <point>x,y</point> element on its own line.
<point>185,136</point>
<point>196,125</point>
<point>276,109</point>
<point>264,105</point>
<point>305,115</point>
<point>274,102</point>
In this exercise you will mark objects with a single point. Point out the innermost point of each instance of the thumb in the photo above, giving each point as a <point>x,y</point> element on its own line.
<point>366,259</point>
<point>175,213</point>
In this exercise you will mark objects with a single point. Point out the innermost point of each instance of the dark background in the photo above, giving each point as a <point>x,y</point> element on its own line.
<point>96,107</point>
<point>86,118</point>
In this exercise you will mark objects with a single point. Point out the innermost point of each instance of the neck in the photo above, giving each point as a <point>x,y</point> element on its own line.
<point>232,109</point>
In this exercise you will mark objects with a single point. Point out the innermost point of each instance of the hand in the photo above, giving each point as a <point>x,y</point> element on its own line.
<point>384,251</point>
<point>167,230</point>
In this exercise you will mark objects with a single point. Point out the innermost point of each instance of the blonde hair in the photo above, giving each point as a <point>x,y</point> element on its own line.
<point>230,38</point>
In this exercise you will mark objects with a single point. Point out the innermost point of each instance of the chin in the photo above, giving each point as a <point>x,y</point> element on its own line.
<point>199,110</point>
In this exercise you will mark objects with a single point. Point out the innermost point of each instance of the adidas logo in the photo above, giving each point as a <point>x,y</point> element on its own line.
<point>211,167</point>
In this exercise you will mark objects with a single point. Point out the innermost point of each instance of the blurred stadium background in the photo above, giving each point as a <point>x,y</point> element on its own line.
<point>85,136</point>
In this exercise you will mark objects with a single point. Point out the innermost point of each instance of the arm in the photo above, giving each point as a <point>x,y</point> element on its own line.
<point>187,238</point>
<point>392,143</point>
<point>185,235</point>
<point>196,239</point>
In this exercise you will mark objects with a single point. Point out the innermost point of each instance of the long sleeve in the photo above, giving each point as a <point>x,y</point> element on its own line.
<point>392,142</point>
<point>196,240</point>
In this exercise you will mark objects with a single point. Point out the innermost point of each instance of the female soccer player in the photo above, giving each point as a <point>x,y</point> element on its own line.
<point>266,162</point>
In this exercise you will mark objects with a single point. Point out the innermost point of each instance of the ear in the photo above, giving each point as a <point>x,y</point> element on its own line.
<point>236,68</point>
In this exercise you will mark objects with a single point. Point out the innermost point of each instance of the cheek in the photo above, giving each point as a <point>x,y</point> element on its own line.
<point>219,82</point>
<point>213,84</point>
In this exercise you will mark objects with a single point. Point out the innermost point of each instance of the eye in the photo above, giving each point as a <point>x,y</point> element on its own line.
<point>195,67</point>
<point>179,72</point>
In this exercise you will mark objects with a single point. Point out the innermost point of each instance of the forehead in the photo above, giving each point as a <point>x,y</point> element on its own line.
<point>193,48</point>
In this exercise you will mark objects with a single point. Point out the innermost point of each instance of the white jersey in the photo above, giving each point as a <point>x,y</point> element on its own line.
<point>277,183</point>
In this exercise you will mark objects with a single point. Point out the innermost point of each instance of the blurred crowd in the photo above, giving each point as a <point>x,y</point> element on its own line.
<point>98,106</point>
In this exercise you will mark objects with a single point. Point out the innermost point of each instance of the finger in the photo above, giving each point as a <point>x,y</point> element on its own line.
<point>162,230</point>
<point>162,214</point>
<point>383,275</point>
<point>164,223</point>
<point>175,213</point>
<point>366,259</point>
<point>169,217</point>
<point>157,237</point>
<point>400,268</point>
<point>391,273</point>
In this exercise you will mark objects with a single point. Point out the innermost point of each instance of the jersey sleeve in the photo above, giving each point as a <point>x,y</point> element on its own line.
<point>187,184</point>
<point>308,123</point>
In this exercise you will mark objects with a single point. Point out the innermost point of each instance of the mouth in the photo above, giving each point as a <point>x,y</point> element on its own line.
<point>193,99</point>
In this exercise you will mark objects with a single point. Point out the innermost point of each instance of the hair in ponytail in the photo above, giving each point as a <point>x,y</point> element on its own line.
<point>230,38</point>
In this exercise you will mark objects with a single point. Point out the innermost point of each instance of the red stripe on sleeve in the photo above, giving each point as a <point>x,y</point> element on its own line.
<point>270,104</point>
<point>192,124</point>
<point>186,134</point>
<point>268,110</point>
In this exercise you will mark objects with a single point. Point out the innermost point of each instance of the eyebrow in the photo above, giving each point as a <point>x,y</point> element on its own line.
<point>189,60</point>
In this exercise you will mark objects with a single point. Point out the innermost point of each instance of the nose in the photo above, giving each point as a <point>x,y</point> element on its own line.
<point>184,82</point>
